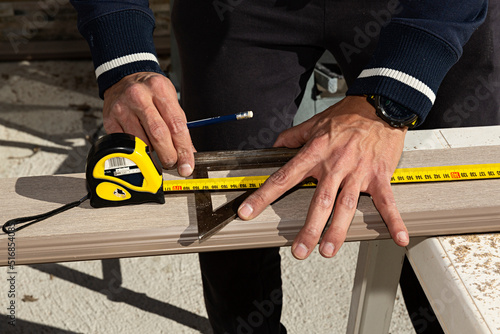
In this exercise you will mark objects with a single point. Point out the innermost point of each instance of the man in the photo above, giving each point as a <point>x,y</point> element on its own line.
<point>258,55</point>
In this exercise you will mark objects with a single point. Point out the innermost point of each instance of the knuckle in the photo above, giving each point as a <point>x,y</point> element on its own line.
<point>168,85</point>
<point>317,144</point>
<point>156,80</point>
<point>118,111</point>
<point>157,132</point>
<point>177,125</point>
<point>256,199</point>
<point>279,178</point>
<point>135,91</point>
<point>306,134</point>
<point>161,85</point>
<point>380,176</point>
<point>315,150</point>
<point>185,155</point>
<point>311,231</point>
<point>394,219</point>
<point>324,200</point>
<point>388,201</point>
<point>383,170</point>
<point>168,163</point>
<point>167,159</point>
<point>348,200</point>
<point>337,232</point>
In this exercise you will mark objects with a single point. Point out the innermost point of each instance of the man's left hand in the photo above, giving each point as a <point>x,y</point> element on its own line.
<point>345,147</point>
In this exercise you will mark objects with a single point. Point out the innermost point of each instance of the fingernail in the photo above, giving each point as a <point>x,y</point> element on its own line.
<point>300,251</point>
<point>402,237</point>
<point>185,170</point>
<point>327,249</point>
<point>245,211</point>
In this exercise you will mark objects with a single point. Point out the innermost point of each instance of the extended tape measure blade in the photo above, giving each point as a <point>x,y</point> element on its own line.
<point>401,175</point>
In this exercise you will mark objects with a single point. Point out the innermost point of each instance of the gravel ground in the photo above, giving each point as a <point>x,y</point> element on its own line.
<point>49,113</point>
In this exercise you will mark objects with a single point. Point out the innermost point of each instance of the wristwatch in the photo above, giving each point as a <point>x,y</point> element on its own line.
<point>393,113</point>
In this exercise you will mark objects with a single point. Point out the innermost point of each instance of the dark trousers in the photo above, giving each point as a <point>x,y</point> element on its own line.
<point>257,55</point>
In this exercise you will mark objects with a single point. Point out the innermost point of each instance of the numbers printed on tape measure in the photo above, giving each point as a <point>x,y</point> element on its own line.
<point>446,173</point>
<point>401,175</point>
<point>246,182</point>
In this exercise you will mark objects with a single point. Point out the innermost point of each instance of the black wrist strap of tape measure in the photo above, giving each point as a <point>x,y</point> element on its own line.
<point>30,220</point>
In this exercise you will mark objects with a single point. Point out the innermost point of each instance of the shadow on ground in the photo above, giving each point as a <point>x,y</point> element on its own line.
<point>110,286</point>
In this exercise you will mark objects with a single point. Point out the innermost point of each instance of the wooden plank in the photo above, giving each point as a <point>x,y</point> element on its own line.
<point>86,233</point>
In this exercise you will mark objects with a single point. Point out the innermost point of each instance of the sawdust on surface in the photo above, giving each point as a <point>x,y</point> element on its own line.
<point>471,238</point>
<point>461,252</point>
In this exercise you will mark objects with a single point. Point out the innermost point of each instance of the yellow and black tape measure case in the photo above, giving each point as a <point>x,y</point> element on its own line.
<point>120,171</point>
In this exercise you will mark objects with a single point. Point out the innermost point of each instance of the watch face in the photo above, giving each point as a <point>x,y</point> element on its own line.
<point>395,111</point>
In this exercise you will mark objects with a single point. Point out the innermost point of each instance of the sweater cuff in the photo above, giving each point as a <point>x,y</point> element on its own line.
<point>121,43</point>
<point>407,67</point>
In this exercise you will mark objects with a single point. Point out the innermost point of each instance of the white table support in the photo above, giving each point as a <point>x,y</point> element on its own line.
<point>375,285</point>
<point>463,303</point>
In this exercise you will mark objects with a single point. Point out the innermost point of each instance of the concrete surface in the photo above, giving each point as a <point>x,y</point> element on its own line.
<point>49,114</point>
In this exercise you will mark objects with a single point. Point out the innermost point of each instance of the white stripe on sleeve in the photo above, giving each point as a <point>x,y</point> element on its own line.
<point>401,77</point>
<point>114,63</point>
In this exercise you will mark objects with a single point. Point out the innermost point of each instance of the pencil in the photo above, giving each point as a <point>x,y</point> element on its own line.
<point>220,119</point>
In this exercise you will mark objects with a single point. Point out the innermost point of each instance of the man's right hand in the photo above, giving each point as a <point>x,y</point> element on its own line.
<point>145,105</point>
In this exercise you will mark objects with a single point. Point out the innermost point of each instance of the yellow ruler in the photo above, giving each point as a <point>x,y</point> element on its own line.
<point>401,175</point>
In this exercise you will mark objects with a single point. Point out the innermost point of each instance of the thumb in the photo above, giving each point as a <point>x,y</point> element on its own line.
<point>294,137</point>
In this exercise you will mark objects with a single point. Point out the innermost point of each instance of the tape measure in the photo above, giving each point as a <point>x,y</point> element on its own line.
<point>121,171</point>
<point>401,175</point>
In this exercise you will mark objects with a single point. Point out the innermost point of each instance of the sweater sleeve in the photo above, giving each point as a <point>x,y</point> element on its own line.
<point>417,48</point>
<point>120,37</point>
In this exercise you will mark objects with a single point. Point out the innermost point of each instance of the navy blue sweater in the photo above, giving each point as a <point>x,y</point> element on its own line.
<point>415,51</point>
